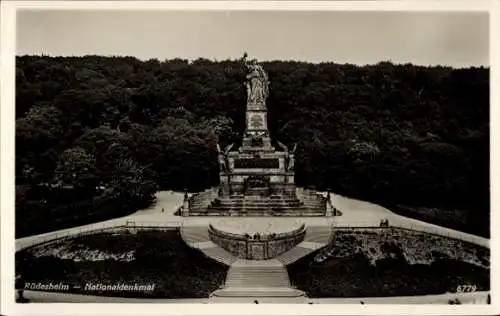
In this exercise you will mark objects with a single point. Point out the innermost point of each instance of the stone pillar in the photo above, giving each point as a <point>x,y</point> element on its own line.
<point>185,205</point>
<point>330,211</point>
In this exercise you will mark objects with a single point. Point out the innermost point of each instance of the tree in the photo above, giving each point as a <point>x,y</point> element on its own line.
<point>132,184</point>
<point>37,144</point>
<point>77,168</point>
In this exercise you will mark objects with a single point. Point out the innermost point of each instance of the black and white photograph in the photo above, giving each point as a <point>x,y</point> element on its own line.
<point>181,156</point>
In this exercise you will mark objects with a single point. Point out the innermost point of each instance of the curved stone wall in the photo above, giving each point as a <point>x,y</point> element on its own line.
<point>257,246</point>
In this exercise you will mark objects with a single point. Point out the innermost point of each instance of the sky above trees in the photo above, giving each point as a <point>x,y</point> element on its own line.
<point>458,39</point>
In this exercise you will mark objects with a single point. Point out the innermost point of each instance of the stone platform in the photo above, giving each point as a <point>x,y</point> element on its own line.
<point>298,203</point>
<point>257,238</point>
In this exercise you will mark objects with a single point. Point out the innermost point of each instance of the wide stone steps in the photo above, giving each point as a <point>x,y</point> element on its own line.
<point>198,208</point>
<point>198,238</point>
<point>319,202</point>
<point>318,199</point>
<point>316,237</point>
<point>255,209</point>
<point>195,234</point>
<point>263,205</point>
<point>304,203</point>
<point>259,213</point>
<point>200,203</point>
<point>293,255</point>
<point>318,234</point>
<point>255,203</point>
<point>255,275</point>
<point>259,292</point>
<point>315,205</point>
<point>257,279</point>
<point>259,198</point>
<point>219,254</point>
<point>203,199</point>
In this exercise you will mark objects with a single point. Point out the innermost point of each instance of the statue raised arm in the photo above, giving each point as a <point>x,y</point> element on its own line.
<point>283,146</point>
<point>227,149</point>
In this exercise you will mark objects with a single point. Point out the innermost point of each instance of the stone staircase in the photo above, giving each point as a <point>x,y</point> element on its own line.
<point>265,278</point>
<point>200,201</point>
<point>260,280</point>
<point>255,203</point>
<point>219,254</point>
<point>197,237</point>
<point>286,205</point>
<point>293,255</point>
<point>195,234</point>
<point>318,234</point>
<point>302,202</point>
<point>316,237</point>
<point>310,197</point>
<point>262,273</point>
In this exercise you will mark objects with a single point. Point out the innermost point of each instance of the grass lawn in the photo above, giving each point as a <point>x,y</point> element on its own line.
<point>376,264</point>
<point>146,257</point>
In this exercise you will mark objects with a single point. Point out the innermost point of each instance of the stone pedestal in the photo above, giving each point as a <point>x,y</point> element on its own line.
<point>256,144</point>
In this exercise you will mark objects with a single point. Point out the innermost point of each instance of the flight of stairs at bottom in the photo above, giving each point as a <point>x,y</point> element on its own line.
<point>263,278</point>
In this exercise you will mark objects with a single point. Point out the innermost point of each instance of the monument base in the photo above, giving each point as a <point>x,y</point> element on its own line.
<point>297,203</point>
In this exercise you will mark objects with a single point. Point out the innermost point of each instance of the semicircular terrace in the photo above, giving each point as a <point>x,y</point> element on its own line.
<point>257,238</point>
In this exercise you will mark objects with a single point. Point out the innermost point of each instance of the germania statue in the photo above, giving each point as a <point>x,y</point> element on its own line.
<point>257,82</point>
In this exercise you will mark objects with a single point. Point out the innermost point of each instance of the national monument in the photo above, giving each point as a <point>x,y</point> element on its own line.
<point>256,179</point>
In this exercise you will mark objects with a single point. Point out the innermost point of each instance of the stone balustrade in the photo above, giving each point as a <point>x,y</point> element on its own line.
<point>257,245</point>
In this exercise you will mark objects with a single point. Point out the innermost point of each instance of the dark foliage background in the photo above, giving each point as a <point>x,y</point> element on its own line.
<point>116,129</point>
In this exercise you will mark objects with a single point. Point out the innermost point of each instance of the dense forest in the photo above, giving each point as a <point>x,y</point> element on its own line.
<point>97,136</point>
